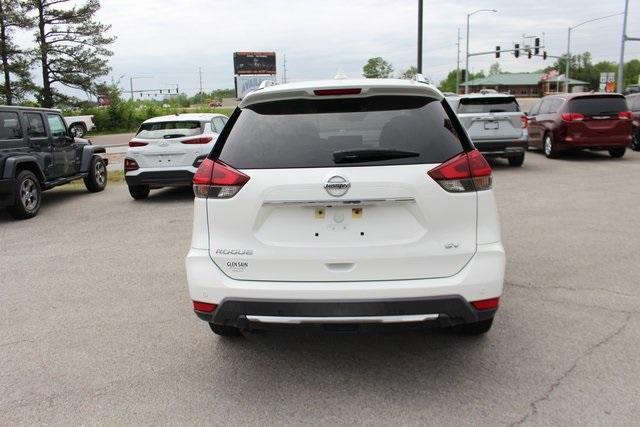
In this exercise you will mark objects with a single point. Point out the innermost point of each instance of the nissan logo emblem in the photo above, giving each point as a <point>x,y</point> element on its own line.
<point>337,186</point>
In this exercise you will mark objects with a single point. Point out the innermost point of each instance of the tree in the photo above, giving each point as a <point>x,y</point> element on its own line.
<point>495,69</point>
<point>15,63</point>
<point>632,72</point>
<point>377,68</point>
<point>409,73</point>
<point>71,46</point>
<point>449,83</point>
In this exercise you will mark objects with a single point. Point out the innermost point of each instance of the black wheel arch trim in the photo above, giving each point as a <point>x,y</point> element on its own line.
<point>88,151</point>
<point>12,164</point>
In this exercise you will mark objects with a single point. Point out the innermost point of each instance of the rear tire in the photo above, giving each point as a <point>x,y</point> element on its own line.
<point>635,142</point>
<point>616,153</point>
<point>139,192</point>
<point>548,148</point>
<point>225,331</point>
<point>97,179</point>
<point>477,328</point>
<point>80,130</point>
<point>516,161</point>
<point>27,196</point>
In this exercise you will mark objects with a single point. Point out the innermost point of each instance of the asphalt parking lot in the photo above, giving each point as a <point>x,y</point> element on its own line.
<point>96,324</point>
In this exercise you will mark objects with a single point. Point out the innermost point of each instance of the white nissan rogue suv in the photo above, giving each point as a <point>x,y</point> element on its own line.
<point>343,204</point>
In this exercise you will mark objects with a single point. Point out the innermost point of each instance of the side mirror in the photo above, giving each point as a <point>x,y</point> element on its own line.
<point>73,132</point>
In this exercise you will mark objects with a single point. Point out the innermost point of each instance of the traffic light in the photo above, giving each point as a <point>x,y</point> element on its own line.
<point>497,51</point>
<point>463,75</point>
<point>536,45</point>
<point>516,52</point>
<point>544,55</point>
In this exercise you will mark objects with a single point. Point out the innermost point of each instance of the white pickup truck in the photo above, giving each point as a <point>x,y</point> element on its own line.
<point>80,124</point>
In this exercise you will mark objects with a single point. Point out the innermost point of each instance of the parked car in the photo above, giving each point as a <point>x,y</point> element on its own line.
<point>633,101</point>
<point>495,124</point>
<point>38,152</point>
<point>632,89</point>
<point>80,125</point>
<point>343,204</point>
<point>167,150</point>
<point>594,121</point>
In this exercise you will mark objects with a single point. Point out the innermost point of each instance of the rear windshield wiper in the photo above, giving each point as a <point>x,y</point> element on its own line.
<point>370,155</point>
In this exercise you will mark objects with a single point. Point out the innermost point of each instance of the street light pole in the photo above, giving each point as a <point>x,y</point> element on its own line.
<point>419,68</point>
<point>620,85</point>
<point>466,66</point>
<point>566,74</point>
<point>458,64</point>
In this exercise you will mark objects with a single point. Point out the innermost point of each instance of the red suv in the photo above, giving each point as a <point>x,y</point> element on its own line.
<point>594,121</point>
<point>634,105</point>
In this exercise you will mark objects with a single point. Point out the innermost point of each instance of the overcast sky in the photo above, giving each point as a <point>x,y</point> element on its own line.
<point>167,40</point>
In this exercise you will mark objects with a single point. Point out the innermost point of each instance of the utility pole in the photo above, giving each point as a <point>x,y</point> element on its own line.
<point>419,68</point>
<point>458,64</point>
<point>200,75</point>
<point>131,79</point>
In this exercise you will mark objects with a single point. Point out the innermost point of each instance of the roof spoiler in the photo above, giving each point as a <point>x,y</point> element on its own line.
<point>420,78</point>
<point>267,83</point>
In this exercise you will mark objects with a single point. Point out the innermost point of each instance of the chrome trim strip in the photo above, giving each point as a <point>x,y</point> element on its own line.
<point>338,202</point>
<point>356,319</point>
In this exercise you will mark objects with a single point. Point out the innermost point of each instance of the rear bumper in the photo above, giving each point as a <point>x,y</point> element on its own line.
<point>161,177</point>
<point>604,143</point>
<point>446,310</point>
<point>448,297</point>
<point>7,191</point>
<point>502,148</point>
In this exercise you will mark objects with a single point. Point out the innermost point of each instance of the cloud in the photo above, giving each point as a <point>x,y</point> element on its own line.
<point>169,40</point>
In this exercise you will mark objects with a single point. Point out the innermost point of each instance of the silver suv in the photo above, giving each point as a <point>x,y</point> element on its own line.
<point>495,124</point>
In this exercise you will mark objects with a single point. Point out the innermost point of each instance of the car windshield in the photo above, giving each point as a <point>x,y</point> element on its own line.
<point>598,105</point>
<point>380,130</point>
<point>169,129</point>
<point>488,105</point>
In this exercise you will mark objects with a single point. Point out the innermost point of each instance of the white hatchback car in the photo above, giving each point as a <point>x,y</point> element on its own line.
<point>344,204</point>
<point>167,151</point>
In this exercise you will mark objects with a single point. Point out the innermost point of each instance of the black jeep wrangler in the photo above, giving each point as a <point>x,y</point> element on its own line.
<point>37,153</point>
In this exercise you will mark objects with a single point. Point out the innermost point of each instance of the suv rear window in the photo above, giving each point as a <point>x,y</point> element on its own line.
<point>10,126</point>
<point>307,133</point>
<point>169,129</point>
<point>597,105</point>
<point>488,105</point>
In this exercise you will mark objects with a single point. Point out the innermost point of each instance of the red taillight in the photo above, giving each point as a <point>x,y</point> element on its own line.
<point>625,115</point>
<point>334,92</point>
<point>204,306</point>
<point>572,117</point>
<point>486,304</point>
<point>200,140</point>
<point>218,180</point>
<point>467,171</point>
<point>524,122</point>
<point>134,143</point>
<point>130,165</point>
